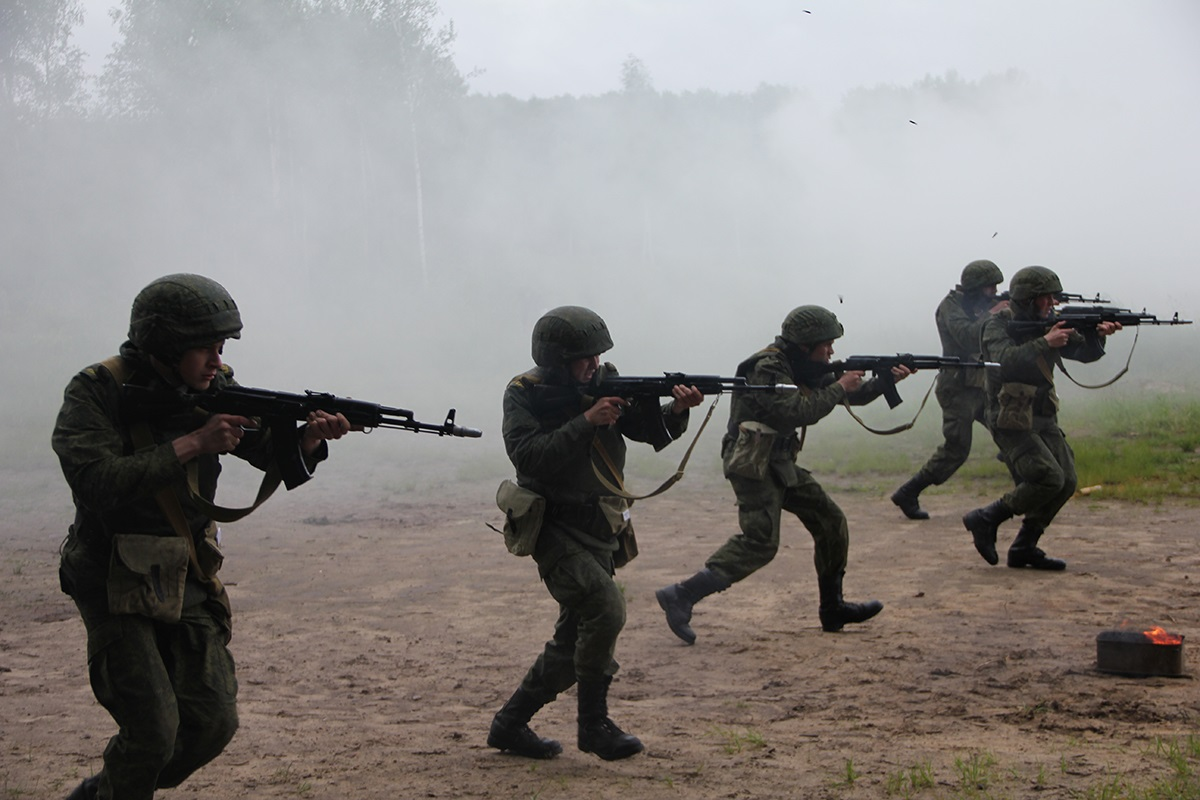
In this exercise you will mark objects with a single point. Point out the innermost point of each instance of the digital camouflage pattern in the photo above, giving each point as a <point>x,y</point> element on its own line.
<point>178,312</point>
<point>171,720</point>
<point>786,487</point>
<point>806,326</point>
<point>553,452</point>
<point>961,393</point>
<point>569,332</point>
<point>1041,460</point>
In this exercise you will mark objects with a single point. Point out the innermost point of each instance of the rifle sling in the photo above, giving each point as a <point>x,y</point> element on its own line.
<point>898,428</point>
<point>619,488</point>
<point>120,369</point>
<point>168,502</point>
<point>1112,380</point>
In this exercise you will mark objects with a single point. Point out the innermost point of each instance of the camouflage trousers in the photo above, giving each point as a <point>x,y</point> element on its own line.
<point>960,411</point>
<point>760,507</point>
<point>591,614</point>
<point>1043,466</point>
<point>170,687</point>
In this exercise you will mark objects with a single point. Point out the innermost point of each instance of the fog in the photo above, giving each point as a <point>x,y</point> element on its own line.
<point>392,221</point>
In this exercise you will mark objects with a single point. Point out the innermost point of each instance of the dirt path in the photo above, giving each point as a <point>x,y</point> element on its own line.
<point>375,639</point>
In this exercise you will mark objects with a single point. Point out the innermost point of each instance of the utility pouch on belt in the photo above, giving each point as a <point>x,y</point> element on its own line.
<point>750,456</point>
<point>523,512</point>
<point>1016,407</point>
<point>208,552</point>
<point>616,514</point>
<point>146,576</point>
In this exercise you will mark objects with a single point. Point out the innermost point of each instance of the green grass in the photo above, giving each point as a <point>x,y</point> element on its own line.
<point>1136,448</point>
<point>1139,449</point>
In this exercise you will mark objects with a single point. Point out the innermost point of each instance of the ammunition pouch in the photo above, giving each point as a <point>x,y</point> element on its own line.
<point>523,513</point>
<point>146,575</point>
<point>1016,406</point>
<point>750,453</point>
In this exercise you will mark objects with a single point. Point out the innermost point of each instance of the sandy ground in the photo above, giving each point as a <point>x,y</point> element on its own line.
<point>377,633</point>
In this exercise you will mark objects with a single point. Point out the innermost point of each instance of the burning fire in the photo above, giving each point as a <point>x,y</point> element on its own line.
<point>1160,636</point>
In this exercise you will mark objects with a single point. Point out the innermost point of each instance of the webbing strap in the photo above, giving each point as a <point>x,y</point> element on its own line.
<point>1112,380</point>
<point>898,428</point>
<point>619,488</point>
<point>121,369</point>
<point>168,503</point>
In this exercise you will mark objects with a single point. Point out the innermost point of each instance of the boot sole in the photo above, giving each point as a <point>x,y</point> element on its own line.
<point>683,635</point>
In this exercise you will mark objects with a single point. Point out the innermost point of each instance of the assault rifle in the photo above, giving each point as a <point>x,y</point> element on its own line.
<point>1063,297</point>
<point>1089,317</point>
<point>636,386</point>
<point>881,368</point>
<point>280,411</point>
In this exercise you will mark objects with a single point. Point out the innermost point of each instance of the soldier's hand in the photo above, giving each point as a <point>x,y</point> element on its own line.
<point>851,380</point>
<point>322,425</point>
<point>220,434</point>
<point>996,309</point>
<point>900,372</point>
<point>1058,335</point>
<point>605,411</point>
<point>685,397</point>
<point>1108,328</point>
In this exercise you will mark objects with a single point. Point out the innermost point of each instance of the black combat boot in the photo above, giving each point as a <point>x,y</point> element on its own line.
<point>906,497</point>
<point>86,790</point>
<point>597,733</point>
<point>510,729</point>
<point>983,524</point>
<point>836,612</point>
<point>678,598</point>
<point>1024,551</point>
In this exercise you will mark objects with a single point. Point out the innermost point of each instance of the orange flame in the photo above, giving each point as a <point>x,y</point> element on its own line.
<point>1160,636</point>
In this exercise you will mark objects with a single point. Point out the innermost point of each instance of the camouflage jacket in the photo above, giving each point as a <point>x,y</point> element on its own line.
<point>959,325</point>
<point>787,411</point>
<point>1028,359</point>
<point>113,485</point>
<point>551,444</point>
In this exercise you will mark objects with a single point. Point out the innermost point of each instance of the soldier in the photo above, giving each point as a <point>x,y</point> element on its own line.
<point>140,559</point>
<point>960,392</point>
<point>560,443</point>
<point>1022,415</point>
<point>759,456</point>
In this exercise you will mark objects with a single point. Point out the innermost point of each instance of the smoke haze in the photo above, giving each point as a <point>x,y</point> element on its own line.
<point>392,225</point>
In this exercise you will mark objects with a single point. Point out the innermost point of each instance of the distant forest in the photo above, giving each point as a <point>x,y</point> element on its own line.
<point>305,135</point>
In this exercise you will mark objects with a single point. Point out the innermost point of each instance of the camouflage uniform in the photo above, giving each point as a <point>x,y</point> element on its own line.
<point>785,486</point>
<point>1032,443</point>
<point>554,455</point>
<point>788,487</point>
<point>585,534</point>
<point>1041,459</point>
<point>169,685</point>
<point>960,318</point>
<point>960,392</point>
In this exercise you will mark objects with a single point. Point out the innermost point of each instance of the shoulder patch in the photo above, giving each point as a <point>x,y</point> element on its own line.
<point>526,380</point>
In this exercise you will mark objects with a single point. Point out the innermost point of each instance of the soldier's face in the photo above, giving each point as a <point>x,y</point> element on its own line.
<point>1044,304</point>
<point>582,369</point>
<point>821,352</point>
<point>199,365</point>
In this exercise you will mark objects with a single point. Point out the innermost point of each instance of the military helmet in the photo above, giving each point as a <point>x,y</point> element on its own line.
<point>566,333</point>
<point>1030,282</point>
<point>178,312</point>
<point>809,325</point>
<point>979,275</point>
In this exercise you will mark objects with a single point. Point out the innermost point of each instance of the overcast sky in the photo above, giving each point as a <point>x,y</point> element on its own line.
<point>546,48</point>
